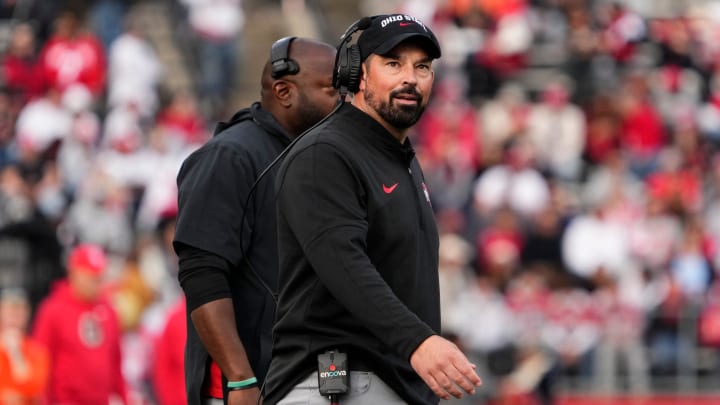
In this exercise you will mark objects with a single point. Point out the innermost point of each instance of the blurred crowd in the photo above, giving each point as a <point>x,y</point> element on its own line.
<point>90,145</point>
<point>570,150</point>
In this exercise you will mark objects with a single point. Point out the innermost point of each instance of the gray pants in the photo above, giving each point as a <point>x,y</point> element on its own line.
<point>365,388</point>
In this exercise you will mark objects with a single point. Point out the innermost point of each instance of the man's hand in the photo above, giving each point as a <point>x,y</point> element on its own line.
<point>444,368</point>
<point>250,396</point>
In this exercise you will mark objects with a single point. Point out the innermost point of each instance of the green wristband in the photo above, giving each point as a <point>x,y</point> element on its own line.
<point>242,384</point>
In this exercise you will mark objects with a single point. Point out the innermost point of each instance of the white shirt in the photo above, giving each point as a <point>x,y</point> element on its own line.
<point>134,72</point>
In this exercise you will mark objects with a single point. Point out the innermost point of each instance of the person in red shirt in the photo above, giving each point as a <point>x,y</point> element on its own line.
<point>622,31</point>
<point>168,374</point>
<point>676,185</point>
<point>82,332</point>
<point>499,246</point>
<point>73,55</point>
<point>20,67</point>
<point>182,121</point>
<point>641,132</point>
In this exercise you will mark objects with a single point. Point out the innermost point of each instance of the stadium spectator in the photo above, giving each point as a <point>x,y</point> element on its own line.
<point>642,132</point>
<point>502,118</point>
<point>622,30</point>
<point>106,19</point>
<point>455,273</point>
<point>24,362</point>
<point>29,247</point>
<point>78,150</point>
<point>515,183</point>
<point>182,121</point>
<point>20,67</point>
<point>168,365</point>
<point>542,245</point>
<point>583,47</point>
<point>217,26</point>
<point>603,132</point>
<point>499,246</point>
<point>690,267</point>
<point>675,184</point>
<point>42,124</point>
<point>134,69</point>
<point>556,129</point>
<point>77,323</point>
<point>595,247</point>
<point>621,311</point>
<point>73,55</point>
<point>487,335</point>
<point>448,136</point>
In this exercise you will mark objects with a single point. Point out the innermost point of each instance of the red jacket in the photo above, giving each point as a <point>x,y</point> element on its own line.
<point>69,61</point>
<point>168,367</point>
<point>23,75</point>
<point>83,339</point>
<point>642,131</point>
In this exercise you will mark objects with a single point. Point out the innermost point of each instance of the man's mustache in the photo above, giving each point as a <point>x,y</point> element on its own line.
<point>406,92</point>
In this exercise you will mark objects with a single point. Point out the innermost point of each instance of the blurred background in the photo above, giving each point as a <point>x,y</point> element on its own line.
<point>570,150</point>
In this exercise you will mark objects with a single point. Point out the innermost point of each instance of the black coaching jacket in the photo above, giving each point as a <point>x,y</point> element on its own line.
<point>213,187</point>
<point>358,247</point>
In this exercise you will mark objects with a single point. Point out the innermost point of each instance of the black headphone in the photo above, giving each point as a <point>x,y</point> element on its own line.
<point>348,71</point>
<point>280,60</point>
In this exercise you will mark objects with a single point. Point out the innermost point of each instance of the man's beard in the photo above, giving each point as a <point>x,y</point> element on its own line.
<point>403,116</point>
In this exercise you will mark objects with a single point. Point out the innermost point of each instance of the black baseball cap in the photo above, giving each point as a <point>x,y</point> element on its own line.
<point>388,30</point>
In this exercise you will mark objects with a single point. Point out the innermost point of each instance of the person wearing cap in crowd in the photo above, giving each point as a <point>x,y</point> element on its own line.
<point>225,235</point>
<point>358,242</point>
<point>24,363</point>
<point>81,330</point>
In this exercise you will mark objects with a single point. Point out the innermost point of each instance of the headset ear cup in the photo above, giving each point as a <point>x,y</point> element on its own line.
<point>280,59</point>
<point>348,72</point>
<point>354,68</point>
<point>339,71</point>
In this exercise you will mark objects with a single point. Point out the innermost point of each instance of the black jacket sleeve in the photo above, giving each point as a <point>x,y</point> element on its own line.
<point>213,185</point>
<point>203,276</point>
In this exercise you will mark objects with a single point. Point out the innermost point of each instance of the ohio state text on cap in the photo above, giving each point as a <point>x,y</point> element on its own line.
<point>387,31</point>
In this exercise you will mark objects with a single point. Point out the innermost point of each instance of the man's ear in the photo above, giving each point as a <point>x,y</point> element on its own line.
<point>284,92</point>
<point>363,76</point>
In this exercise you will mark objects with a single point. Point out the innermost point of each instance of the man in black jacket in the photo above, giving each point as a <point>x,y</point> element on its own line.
<point>358,242</point>
<point>226,235</point>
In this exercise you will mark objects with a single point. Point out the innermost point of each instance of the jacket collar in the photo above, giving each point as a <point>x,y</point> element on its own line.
<point>260,117</point>
<point>377,134</point>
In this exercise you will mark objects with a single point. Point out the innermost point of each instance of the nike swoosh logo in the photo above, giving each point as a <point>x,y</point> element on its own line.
<point>390,189</point>
<point>404,24</point>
